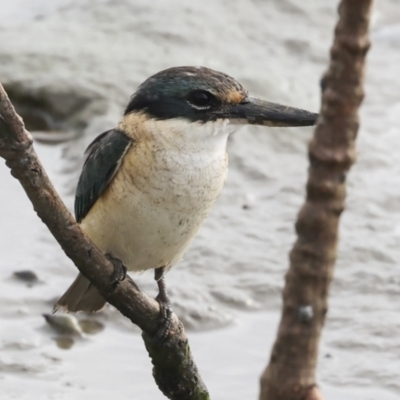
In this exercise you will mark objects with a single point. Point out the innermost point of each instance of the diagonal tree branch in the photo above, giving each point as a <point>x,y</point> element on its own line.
<point>290,374</point>
<point>175,371</point>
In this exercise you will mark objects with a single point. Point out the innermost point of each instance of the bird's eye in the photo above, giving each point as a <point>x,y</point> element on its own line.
<point>200,99</point>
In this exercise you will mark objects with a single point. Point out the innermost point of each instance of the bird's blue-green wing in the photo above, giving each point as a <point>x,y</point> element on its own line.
<point>103,158</point>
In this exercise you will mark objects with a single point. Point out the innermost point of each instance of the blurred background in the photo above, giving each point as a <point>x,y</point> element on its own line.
<point>70,67</point>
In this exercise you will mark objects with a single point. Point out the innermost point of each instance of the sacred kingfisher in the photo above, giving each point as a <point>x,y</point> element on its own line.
<point>147,185</point>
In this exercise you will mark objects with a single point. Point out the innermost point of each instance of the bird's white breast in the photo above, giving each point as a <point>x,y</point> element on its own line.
<point>163,191</point>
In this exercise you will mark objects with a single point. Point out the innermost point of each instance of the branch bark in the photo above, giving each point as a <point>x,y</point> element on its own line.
<point>175,371</point>
<point>290,374</point>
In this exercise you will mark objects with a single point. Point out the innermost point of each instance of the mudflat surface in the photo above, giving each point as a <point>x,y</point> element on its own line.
<point>76,63</point>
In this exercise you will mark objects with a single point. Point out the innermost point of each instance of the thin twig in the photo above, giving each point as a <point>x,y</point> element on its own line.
<point>290,374</point>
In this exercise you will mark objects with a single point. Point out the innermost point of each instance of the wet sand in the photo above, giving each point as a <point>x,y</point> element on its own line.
<point>80,61</point>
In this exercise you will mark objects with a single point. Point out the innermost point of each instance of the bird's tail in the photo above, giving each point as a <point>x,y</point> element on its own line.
<point>81,296</point>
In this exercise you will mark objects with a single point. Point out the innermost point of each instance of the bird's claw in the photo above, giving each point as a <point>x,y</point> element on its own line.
<point>119,273</point>
<point>165,319</point>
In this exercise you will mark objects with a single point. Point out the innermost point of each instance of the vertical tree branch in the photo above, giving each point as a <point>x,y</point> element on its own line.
<point>175,371</point>
<point>290,374</point>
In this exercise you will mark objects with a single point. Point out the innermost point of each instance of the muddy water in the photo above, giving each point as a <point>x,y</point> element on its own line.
<point>75,64</point>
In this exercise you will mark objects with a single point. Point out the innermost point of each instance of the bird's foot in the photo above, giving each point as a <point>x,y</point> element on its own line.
<point>165,319</point>
<point>165,306</point>
<point>120,270</point>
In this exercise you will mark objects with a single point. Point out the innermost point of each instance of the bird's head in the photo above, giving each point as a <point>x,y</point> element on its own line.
<point>188,96</point>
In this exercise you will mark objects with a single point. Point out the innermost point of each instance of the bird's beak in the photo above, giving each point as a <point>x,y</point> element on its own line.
<point>259,112</point>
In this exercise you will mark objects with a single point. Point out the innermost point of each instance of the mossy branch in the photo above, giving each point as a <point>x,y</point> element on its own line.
<point>174,369</point>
